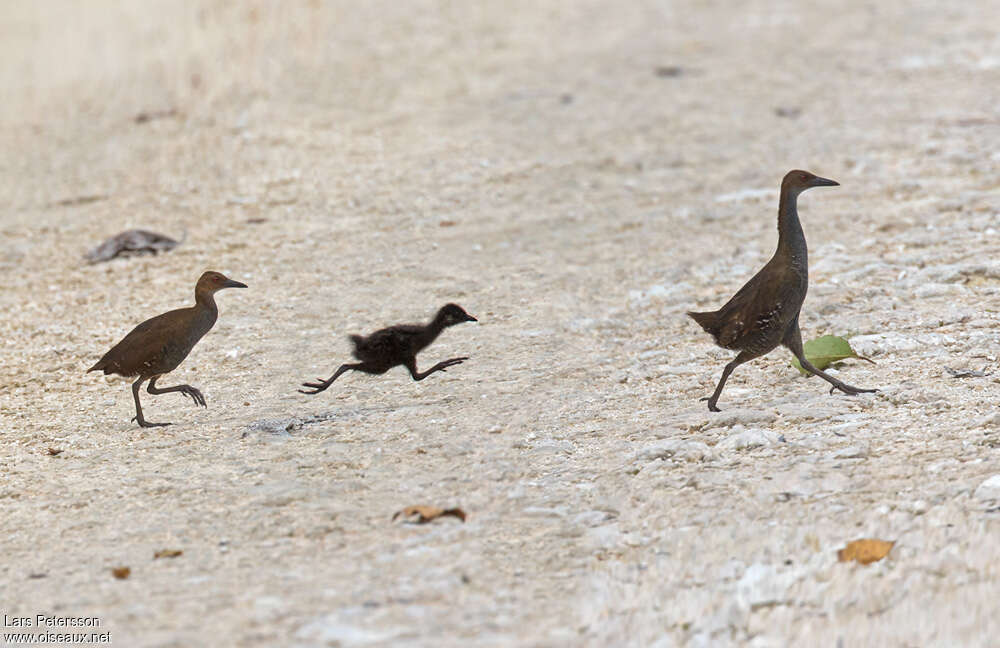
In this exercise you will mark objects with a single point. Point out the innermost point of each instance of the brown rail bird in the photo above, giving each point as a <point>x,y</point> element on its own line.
<point>158,345</point>
<point>397,345</point>
<point>765,312</point>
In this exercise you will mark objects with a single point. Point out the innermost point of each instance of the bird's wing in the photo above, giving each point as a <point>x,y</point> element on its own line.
<point>755,310</point>
<point>386,344</point>
<point>144,343</point>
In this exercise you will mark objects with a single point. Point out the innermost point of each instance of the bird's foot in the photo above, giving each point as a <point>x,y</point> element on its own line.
<point>144,423</point>
<point>195,395</point>
<point>443,366</point>
<point>711,404</point>
<point>850,390</point>
<point>315,387</point>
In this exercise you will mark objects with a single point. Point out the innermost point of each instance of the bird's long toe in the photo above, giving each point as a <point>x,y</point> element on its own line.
<point>196,396</point>
<point>314,388</point>
<point>850,390</point>
<point>148,424</point>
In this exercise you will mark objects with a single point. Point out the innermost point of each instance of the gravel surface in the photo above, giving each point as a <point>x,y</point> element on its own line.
<point>576,175</point>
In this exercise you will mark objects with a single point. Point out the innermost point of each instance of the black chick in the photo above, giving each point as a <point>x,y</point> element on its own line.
<point>397,345</point>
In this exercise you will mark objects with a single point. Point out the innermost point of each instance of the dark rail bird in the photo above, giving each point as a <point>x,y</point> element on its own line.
<point>397,345</point>
<point>765,312</point>
<point>159,345</point>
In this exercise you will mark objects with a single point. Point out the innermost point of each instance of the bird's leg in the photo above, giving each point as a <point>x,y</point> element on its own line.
<point>793,340</point>
<point>138,418</point>
<point>411,364</point>
<point>737,361</point>
<point>187,390</point>
<point>320,384</point>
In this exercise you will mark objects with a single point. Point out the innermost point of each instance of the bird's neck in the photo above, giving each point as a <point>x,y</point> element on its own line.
<point>205,303</point>
<point>431,332</point>
<point>791,238</point>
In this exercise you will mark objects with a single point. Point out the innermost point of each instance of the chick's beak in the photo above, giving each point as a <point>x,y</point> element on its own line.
<point>470,318</point>
<point>229,283</point>
<point>824,182</point>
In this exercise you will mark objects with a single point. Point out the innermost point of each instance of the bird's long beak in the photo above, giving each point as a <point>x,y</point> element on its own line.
<point>470,318</point>
<point>233,284</point>
<point>823,182</point>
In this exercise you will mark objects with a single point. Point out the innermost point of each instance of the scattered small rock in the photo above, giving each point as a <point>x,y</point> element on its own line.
<point>990,420</point>
<point>763,585</point>
<point>965,373</point>
<point>76,201</point>
<point>279,427</point>
<point>330,630</point>
<point>747,439</point>
<point>131,242</point>
<point>788,112</point>
<point>594,518</point>
<point>892,341</point>
<point>736,416</point>
<point>121,573</point>
<point>989,489</point>
<point>543,512</point>
<point>851,452</point>
<point>553,446</point>
<point>668,71</point>
<point>148,116</point>
<point>674,449</point>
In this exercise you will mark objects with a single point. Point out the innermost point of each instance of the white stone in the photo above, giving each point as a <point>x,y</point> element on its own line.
<point>737,416</point>
<point>746,439</point>
<point>331,631</point>
<point>990,420</point>
<point>989,489</point>
<point>851,452</point>
<point>674,448</point>
<point>763,585</point>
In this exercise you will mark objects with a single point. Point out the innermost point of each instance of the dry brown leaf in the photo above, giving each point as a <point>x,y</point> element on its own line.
<point>53,451</point>
<point>865,551</point>
<point>424,514</point>
<point>121,573</point>
<point>167,553</point>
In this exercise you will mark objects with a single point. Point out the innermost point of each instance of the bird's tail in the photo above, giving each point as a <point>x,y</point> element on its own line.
<point>708,321</point>
<point>356,340</point>
<point>105,364</point>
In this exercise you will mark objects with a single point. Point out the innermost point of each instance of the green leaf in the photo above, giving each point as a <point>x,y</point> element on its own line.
<point>824,351</point>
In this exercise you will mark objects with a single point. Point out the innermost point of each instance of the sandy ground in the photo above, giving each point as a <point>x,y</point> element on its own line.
<point>577,175</point>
